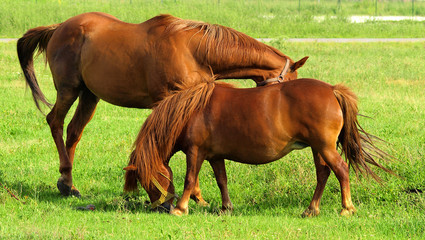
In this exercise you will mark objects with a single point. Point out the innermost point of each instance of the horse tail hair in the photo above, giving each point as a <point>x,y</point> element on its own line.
<point>156,139</point>
<point>33,39</point>
<point>355,142</point>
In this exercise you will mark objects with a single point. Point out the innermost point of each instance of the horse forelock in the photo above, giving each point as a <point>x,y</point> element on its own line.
<point>156,139</point>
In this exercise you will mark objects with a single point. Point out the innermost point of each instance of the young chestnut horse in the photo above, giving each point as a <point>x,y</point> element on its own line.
<point>253,126</point>
<point>95,56</point>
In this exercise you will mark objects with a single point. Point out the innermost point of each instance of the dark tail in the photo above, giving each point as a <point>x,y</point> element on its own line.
<point>356,143</point>
<point>33,39</point>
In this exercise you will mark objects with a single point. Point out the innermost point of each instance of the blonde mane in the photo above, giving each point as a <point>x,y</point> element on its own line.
<point>156,139</point>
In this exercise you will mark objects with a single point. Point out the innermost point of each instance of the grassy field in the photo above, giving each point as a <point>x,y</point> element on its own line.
<point>269,199</point>
<point>257,18</point>
<point>389,79</point>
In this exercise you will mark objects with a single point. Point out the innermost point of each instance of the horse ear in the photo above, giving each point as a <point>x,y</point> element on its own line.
<point>299,64</point>
<point>130,168</point>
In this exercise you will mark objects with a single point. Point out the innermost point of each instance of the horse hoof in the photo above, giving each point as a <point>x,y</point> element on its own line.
<point>310,213</point>
<point>346,212</point>
<point>75,192</point>
<point>226,209</point>
<point>66,190</point>
<point>178,212</point>
<point>200,201</point>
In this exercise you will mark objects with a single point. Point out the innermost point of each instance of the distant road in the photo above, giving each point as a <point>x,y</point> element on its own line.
<point>330,40</point>
<point>8,39</point>
<point>347,40</point>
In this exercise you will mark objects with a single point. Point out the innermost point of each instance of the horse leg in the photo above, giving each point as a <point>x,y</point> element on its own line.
<point>322,174</point>
<point>83,114</point>
<point>194,161</point>
<point>341,170</point>
<point>219,169</point>
<point>196,195</point>
<point>55,119</point>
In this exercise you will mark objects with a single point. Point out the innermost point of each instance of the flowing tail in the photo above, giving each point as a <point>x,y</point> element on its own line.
<point>355,142</point>
<point>160,131</point>
<point>33,39</point>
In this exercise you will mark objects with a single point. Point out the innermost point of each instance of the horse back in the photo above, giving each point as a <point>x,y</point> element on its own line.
<point>112,58</point>
<point>88,32</point>
<point>261,125</point>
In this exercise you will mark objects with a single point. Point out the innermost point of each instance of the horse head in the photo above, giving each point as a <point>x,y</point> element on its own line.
<point>288,73</point>
<point>160,189</point>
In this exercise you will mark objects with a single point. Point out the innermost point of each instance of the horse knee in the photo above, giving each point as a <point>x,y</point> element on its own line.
<point>189,183</point>
<point>55,125</point>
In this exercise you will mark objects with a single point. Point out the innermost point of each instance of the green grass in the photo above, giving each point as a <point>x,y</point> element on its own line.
<point>388,79</point>
<point>256,18</point>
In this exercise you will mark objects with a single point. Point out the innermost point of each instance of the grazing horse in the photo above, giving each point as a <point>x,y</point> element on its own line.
<point>253,126</point>
<point>95,56</point>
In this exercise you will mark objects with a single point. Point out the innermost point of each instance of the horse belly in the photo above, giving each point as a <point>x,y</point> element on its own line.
<point>245,149</point>
<point>118,90</point>
<point>243,130</point>
<point>115,73</point>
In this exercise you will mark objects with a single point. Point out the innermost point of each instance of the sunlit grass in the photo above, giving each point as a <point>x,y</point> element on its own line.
<point>257,18</point>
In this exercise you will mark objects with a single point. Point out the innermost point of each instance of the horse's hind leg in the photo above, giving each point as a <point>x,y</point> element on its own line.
<point>83,114</point>
<point>340,168</point>
<point>219,169</point>
<point>64,100</point>
<point>322,174</point>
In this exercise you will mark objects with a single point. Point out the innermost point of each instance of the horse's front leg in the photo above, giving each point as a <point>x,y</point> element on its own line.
<point>196,193</point>
<point>219,169</point>
<point>194,161</point>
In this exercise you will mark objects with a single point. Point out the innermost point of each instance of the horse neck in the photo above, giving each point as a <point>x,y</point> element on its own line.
<point>223,50</point>
<point>249,65</point>
<point>230,54</point>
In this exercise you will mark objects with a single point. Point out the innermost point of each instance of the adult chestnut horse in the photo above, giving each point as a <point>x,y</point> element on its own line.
<point>95,56</point>
<point>253,126</point>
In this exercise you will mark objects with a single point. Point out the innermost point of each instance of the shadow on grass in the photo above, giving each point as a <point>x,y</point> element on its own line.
<point>106,201</point>
<point>29,193</point>
<point>291,203</point>
<point>22,191</point>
